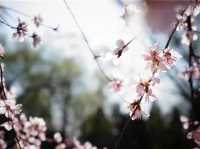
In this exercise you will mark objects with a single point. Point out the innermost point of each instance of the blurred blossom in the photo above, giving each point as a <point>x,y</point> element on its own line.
<point>121,47</point>
<point>3,144</point>
<point>9,108</point>
<point>2,51</point>
<point>144,89</point>
<point>116,85</point>
<point>185,121</point>
<point>37,20</point>
<point>21,30</point>
<point>86,145</point>
<point>154,59</point>
<point>36,39</point>
<point>60,146</point>
<point>135,110</point>
<point>128,11</point>
<point>57,137</point>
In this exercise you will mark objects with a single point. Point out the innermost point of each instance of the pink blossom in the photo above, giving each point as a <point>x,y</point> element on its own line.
<point>169,57</point>
<point>36,127</point>
<point>185,122</point>
<point>57,137</point>
<point>36,39</point>
<point>86,145</point>
<point>3,144</point>
<point>126,14</point>
<point>61,146</point>
<point>196,135</point>
<point>31,132</point>
<point>37,20</point>
<point>21,30</point>
<point>154,80</point>
<point>193,71</point>
<point>188,37</point>
<point>154,60</point>
<point>9,108</point>
<point>121,47</point>
<point>143,88</point>
<point>135,110</point>
<point>116,85</point>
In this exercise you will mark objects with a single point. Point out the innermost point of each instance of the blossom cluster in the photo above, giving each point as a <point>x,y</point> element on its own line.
<point>30,132</point>
<point>192,129</point>
<point>187,24</point>
<point>23,30</point>
<point>158,60</point>
<point>192,71</point>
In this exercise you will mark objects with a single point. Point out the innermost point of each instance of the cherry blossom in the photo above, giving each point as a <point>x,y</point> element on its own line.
<point>121,47</point>
<point>86,145</point>
<point>154,60</point>
<point>116,85</point>
<point>128,11</point>
<point>144,89</point>
<point>37,20</point>
<point>196,136</point>
<point>36,127</point>
<point>188,37</point>
<point>193,71</point>
<point>57,137</point>
<point>9,108</point>
<point>60,146</point>
<point>185,122</point>
<point>21,30</point>
<point>135,110</point>
<point>3,144</point>
<point>36,39</point>
<point>169,56</point>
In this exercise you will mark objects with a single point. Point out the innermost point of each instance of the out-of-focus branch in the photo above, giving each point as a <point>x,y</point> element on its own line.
<point>24,15</point>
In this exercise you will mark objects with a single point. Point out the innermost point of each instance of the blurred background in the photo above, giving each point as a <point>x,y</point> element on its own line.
<point>60,81</point>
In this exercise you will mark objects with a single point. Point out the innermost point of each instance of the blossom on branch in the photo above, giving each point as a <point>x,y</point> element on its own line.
<point>169,57</point>
<point>116,84</point>
<point>31,132</point>
<point>144,89</point>
<point>36,39</point>
<point>21,31</point>
<point>154,60</point>
<point>135,110</point>
<point>160,60</point>
<point>121,47</point>
<point>9,108</point>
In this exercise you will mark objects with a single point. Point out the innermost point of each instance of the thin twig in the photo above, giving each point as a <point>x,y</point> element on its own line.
<point>122,134</point>
<point>86,41</point>
<point>191,51</point>
<point>5,23</point>
<point>174,30</point>
<point>171,34</point>
<point>25,15</point>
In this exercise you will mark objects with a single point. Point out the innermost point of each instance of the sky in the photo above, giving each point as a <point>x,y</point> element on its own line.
<point>102,23</point>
